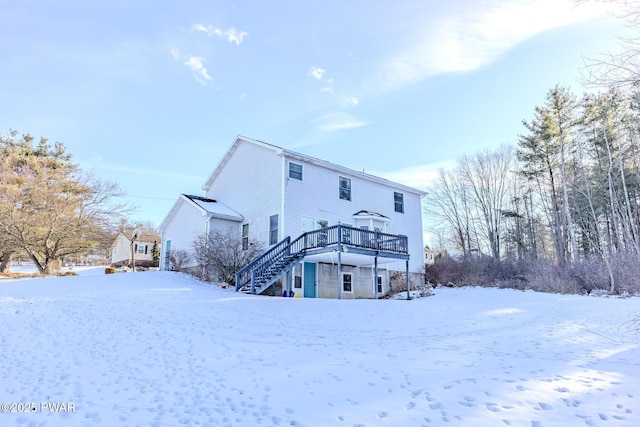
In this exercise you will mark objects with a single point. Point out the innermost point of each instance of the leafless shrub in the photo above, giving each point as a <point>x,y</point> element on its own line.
<point>626,271</point>
<point>592,275</point>
<point>179,259</point>
<point>220,255</point>
<point>543,276</point>
<point>477,271</point>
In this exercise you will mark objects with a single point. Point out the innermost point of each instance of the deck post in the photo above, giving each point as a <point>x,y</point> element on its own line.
<point>339,275</point>
<point>287,278</point>
<point>375,275</point>
<point>253,282</point>
<point>408,282</point>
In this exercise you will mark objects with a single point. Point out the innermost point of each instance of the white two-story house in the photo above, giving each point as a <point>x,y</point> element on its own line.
<point>331,231</point>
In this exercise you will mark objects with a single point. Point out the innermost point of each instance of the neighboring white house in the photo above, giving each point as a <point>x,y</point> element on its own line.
<point>121,250</point>
<point>267,193</point>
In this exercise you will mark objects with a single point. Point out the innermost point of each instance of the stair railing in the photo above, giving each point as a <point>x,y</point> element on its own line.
<point>243,277</point>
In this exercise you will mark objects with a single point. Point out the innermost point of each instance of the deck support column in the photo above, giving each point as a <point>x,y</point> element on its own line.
<point>408,282</point>
<point>375,275</point>
<point>339,281</point>
<point>287,279</point>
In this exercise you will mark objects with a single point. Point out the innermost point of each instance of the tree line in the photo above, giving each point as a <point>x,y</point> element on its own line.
<point>568,192</point>
<point>564,200</point>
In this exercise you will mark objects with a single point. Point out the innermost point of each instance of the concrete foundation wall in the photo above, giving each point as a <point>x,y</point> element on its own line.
<point>362,284</point>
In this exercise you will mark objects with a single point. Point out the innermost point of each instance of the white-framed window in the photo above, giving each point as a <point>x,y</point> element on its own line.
<point>347,282</point>
<point>344,188</point>
<point>273,229</point>
<point>297,277</point>
<point>245,237</point>
<point>141,249</point>
<point>295,171</point>
<point>379,284</point>
<point>398,202</point>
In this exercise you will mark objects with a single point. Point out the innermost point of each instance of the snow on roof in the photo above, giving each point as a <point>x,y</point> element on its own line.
<point>214,207</point>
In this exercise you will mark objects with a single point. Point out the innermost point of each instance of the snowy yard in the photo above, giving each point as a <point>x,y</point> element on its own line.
<point>162,349</point>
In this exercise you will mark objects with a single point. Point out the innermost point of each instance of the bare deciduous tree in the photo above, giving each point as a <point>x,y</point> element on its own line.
<point>49,208</point>
<point>618,69</point>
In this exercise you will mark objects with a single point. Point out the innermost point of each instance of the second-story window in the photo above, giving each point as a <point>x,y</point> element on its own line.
<point>245,237</point>
<point>398,202</point>
<point>273,229</point>
<point>344,188</point>
<point>295,171</point>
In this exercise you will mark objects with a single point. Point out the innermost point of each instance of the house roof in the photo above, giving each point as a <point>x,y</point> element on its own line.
<point>207,207</point>
<point>370,214</point>
<point>143,237</point>
<point>215,208</point>
<point>306,159</point>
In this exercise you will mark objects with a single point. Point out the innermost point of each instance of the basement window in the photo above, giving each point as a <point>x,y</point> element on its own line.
<point>347,285</point>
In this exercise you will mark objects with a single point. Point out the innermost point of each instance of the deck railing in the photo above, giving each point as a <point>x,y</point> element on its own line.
<point>336,235</point>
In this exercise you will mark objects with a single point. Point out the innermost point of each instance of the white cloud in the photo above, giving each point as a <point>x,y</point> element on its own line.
<point>338,121</point>
<point>476,36</point>
<point>419,176</point>
<point>329,87</point>
<point>175,53</point>
<point>352,100</point>
<point>315,72</point>
<point>198,68</point>
<point>231,35</point>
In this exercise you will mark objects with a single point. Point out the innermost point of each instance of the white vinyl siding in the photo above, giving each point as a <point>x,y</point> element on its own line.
<point>187,224</point>
<point>316,198</point>
<point>250,183</point>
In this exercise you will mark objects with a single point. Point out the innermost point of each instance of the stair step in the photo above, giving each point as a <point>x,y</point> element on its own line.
<point>267,271</point>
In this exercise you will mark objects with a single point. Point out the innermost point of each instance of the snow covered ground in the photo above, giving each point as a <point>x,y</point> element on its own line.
<point>162,349</point>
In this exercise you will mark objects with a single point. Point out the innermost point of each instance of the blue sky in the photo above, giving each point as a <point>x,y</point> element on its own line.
<point>151,94</point>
